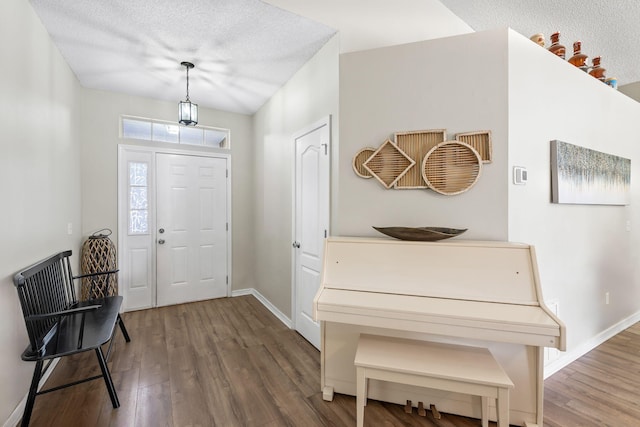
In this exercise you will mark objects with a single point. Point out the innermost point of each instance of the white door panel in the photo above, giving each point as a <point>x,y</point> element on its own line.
<point>311,223</point>
<point>192,234</point>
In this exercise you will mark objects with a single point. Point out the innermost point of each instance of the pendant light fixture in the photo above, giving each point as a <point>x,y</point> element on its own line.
<point>188,111</point>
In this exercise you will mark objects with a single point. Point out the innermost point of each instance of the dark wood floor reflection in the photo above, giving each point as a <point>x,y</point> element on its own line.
<point>230,362</point>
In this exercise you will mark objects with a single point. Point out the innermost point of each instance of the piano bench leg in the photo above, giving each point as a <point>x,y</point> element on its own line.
<point>361,395</point>
<point>485,411</point>
<point>502,407</point>
<point>327,393</point>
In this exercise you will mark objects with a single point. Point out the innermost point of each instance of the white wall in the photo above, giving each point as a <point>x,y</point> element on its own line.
<point>99,129</point>
<point>583,250</point>
<point>457,83</point>
<point>39,174</point>
<point>312,93</point>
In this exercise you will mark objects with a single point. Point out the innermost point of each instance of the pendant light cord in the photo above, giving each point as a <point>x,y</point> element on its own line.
<point>187,84</point>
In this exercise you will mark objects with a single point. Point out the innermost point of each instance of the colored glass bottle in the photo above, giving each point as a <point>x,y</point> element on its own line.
<point>538,39</point>
<point>579,59</point>
<point>556,48</point>
<point>597,71</point>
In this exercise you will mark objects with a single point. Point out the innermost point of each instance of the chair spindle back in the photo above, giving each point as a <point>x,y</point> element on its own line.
<point>43,288</point>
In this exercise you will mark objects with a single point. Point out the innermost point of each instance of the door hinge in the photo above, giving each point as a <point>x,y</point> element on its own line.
<point>227,173</point>
<point>227,226</point>
<point>227,280</point>
<point>325,148</point>
<point>325,234</point>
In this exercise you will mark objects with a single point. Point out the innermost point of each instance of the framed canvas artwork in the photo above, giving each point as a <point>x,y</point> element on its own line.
<point>583,176</point>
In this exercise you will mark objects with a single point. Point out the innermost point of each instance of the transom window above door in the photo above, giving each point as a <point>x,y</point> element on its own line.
<point>164,131</point>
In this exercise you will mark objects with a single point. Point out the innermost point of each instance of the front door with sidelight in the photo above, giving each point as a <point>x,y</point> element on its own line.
<point>173,227</point>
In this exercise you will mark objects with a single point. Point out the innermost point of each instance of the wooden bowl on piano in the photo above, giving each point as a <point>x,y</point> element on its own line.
<point>421,234</point>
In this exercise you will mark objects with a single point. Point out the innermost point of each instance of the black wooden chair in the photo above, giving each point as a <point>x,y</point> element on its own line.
<point>58,325</point>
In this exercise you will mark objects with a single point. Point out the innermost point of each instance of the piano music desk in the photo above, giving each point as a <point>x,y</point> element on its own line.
<point>462,369</point>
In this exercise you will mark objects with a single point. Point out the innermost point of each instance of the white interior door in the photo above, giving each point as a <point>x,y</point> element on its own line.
<point>311,222</point>
<point>191,226</point>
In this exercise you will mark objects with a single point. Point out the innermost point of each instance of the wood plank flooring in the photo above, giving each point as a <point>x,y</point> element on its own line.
<point>602,388</point>
<point>230,362</point>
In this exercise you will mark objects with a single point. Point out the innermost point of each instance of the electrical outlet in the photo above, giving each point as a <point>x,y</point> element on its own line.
<point>69,228</point>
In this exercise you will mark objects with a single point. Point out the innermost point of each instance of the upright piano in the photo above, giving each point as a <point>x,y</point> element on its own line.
<point>464,292</point>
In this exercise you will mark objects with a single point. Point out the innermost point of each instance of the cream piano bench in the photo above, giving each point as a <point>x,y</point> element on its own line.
<point>448,367</point>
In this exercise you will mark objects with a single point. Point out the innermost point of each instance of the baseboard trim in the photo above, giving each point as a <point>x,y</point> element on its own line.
<point>272,308</point>
<point>587,346</point>
<point>16,416</point>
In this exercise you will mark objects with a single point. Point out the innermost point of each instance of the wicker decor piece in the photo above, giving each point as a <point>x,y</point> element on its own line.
<point>98,255</point>
<point>416,144</point>
<point>388,164</point>
<point>358,162</point>
<point>480,141</point>
<point>451,167</point>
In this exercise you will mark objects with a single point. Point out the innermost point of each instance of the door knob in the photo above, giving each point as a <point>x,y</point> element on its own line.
<point>296,244</point>
<point>161,242</point>
<point>161,231</point>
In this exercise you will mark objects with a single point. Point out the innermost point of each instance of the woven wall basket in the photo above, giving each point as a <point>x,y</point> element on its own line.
<point>416,144</point>
<point>388,164</point>
<point>480,141</point>
<point>98,254</point>
<point>451,167</point>
<point>358,162</point>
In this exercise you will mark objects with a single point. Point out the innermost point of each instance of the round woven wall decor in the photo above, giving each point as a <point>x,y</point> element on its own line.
<point>451,167</point>
<point>358,162</point>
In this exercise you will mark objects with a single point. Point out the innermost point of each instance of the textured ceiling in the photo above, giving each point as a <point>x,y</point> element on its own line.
<point>609,29</point>
<point>245,50</point>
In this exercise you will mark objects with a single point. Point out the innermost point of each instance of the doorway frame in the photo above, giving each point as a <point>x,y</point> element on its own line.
<point>122,220</point>
<point>324,121</point>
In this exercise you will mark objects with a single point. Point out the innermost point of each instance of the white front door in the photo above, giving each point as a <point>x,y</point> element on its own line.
<point>182,200</point>
<point>311,222</point>
<point>191,226</point>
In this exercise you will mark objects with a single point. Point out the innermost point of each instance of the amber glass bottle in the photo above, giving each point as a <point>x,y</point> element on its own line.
<point>597,71</point>
<point>556,48</point>
<point>579,59</point>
